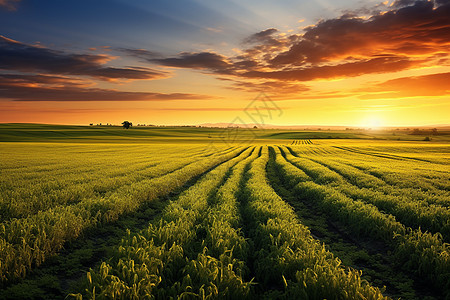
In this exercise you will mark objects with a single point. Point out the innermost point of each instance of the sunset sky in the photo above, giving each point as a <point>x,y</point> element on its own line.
<point>320,62</point>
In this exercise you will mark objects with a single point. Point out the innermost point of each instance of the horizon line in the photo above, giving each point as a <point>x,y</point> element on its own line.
<point>225,125</point>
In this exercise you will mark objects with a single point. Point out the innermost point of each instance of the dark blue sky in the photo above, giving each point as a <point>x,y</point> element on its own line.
<point>159,25</point>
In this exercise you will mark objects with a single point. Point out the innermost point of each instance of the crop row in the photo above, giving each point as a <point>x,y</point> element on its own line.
<point>288,256</point>
<point>25,193</point>
<point>372,174</point>
<point>359,186</point>
<point>198,251</point>
<point>426,175</point>
<point>422,180</point>
<point>420,252</point>
<point>404,153</point>
<point>29,241</point>
<point>189,252</point>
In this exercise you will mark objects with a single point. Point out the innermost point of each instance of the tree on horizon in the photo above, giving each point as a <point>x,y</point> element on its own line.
<point>127,124</point>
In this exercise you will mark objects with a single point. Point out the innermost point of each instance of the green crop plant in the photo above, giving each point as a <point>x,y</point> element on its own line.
<point>162,247</point>
<point>288,256</point>
<point>30,240</point>
<point>428,255</point>
<point>186,220</point>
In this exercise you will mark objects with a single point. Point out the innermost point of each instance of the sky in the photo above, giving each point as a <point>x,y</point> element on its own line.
<point>189,62</point>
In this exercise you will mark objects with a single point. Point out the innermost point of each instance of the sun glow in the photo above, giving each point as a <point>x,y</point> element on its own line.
<point>373,122</point>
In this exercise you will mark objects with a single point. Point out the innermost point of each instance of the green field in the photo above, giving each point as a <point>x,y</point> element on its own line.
<point>167,134</point>
<point>195,213</point>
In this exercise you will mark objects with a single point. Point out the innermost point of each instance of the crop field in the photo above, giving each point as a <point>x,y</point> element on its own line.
<point>272,219</point>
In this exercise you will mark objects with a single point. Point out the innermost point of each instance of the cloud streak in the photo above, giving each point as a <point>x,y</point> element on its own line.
<point>24,80</point>
<point>17,56</point>
<point>214,108</point>
<point>63,89</point>
<point>271,87</point>
<point>201,60</point>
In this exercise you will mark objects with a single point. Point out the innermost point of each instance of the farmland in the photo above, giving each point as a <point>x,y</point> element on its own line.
<point>185,213</point>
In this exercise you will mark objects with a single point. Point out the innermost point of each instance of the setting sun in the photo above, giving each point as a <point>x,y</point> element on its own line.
<point>372,122</point>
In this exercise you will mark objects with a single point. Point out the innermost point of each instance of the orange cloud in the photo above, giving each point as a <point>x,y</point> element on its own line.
<point>418,29</point>
<point>415,86</point>
<point>406,35</point>
<point>350,69</point>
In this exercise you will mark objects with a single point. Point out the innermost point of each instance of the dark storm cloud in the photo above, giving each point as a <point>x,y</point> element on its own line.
<point>17,56</point>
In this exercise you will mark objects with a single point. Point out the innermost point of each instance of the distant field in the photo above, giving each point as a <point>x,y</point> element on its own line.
<point>107,134</point>
<point>192,213</point>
